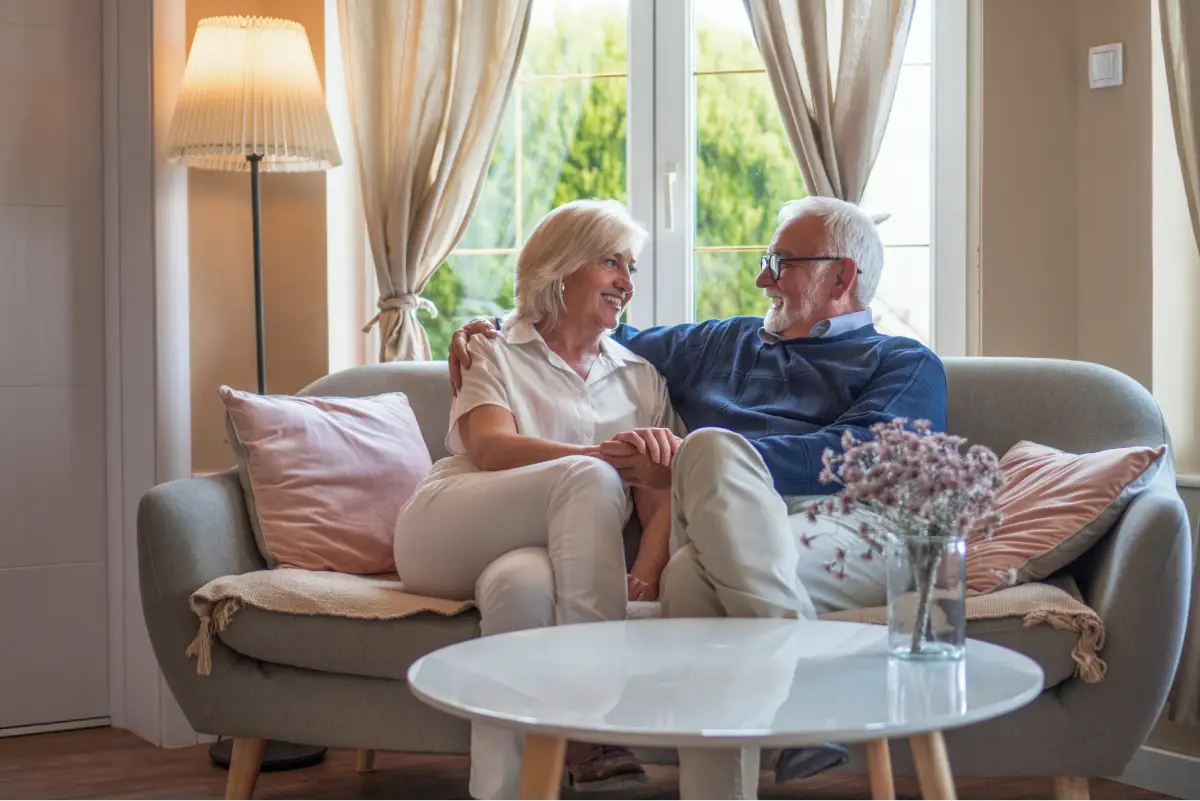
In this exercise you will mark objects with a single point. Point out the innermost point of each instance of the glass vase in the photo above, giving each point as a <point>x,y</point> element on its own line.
<point>926,587</point>
<point>920,690</point>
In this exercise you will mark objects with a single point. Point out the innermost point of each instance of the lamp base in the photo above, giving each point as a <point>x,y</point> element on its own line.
<point>278,756</point>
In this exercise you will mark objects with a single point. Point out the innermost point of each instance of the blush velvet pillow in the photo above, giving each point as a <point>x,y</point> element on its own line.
<point>1055,505</point>
<point>325,478</point>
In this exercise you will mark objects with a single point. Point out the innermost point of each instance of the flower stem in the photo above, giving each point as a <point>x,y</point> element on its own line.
<point>925,569</point>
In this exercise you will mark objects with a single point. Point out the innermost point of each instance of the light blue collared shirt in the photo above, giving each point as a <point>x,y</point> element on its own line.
<point>841,324</point>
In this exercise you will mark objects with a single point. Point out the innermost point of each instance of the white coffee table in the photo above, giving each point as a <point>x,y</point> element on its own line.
<point>721,683</point>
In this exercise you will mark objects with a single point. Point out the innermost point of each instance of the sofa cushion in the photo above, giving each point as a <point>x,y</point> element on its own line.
<point>1055,506</point>
<point>325,478</point>
<point>386,648</point>
<point>381,649</point>
<point>1049,647</point>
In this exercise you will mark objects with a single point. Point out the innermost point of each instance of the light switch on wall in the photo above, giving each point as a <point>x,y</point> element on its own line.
<point>1105,66</point>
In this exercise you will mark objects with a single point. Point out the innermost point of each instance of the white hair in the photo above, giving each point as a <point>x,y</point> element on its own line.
<point>850,233</point>
<point>570,236</point>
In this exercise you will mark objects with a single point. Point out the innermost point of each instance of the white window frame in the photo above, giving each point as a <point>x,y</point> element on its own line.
<point>950,185</point>
<point>661,45</point>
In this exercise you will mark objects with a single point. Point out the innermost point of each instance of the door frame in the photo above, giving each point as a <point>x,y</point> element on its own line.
<point>147,370</point>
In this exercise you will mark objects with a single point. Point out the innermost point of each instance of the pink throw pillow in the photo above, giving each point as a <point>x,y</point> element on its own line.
<point>325,478</point>
<point>1056,505</point>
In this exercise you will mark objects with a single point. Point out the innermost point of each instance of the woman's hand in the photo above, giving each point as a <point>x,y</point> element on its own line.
<point>458,357</point>
<point>639,590</point>
<point>657,444</point>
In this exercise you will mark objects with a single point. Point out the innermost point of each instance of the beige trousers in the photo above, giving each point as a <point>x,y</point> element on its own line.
<point>737,553</point>
<point>534,546</point>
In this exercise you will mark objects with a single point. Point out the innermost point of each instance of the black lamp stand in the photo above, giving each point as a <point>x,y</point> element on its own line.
<point>278,755</point>
<point>256,221</point>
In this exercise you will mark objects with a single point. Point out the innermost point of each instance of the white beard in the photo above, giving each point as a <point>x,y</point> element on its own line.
<point>779,318</point>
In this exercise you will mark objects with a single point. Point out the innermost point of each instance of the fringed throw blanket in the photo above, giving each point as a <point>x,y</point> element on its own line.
<point>291,591</point>
<point>303,592</point>
<point>1052,604</point>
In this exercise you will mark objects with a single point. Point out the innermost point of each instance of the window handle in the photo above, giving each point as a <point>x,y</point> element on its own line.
<point>669,205</point>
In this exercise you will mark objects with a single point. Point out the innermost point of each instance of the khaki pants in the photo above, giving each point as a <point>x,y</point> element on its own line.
<point>737,553</point>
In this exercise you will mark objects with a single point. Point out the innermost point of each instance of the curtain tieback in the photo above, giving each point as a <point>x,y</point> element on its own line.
<point>401,303</point>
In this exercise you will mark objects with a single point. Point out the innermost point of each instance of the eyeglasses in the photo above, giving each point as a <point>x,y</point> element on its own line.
<point>774,262</point>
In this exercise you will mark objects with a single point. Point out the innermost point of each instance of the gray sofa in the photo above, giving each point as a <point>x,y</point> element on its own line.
<point>341,682</point>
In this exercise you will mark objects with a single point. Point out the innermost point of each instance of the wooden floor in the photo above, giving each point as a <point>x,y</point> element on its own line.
<point>105,763</point>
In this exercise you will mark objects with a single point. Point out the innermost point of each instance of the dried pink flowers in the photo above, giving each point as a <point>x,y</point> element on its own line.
<point>913,481</point>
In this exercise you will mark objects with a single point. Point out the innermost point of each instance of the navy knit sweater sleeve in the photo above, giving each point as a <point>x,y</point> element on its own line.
<point>910,383</point>
<point>793,399</point>
<point>668,347</point>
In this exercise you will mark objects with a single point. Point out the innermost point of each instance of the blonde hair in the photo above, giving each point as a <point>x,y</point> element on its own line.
<point>570,236</point>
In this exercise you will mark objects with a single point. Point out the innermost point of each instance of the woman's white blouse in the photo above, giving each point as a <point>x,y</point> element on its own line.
<point>517,371</point>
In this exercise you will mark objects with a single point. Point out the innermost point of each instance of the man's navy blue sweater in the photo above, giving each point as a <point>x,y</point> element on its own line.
<point>794,398</point>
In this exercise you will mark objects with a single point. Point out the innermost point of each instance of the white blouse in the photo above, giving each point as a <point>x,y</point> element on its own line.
<point>519,372</point>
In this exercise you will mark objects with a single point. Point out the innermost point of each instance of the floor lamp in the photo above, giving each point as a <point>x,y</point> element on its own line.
<point>251,101</point>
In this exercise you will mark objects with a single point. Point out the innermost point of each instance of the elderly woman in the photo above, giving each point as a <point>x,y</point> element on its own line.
<point>526,516</point>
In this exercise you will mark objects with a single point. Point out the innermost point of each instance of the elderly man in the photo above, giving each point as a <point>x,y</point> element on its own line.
<point>763,398</point>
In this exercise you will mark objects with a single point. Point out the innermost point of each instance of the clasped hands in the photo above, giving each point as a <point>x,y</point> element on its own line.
<point>642,456</point>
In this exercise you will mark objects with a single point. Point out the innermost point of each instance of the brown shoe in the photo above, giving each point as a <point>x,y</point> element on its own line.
<point>601,768</point>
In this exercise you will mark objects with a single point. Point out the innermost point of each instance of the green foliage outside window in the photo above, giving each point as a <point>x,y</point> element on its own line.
<point>572,145</point>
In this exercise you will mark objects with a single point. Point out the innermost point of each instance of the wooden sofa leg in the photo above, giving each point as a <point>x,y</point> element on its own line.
<point>1071,788</point>
<point>366,760</point>
<point>244,767</point>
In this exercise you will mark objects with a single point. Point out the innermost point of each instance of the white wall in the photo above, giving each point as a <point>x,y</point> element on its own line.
<point>53,562</point>
<point>146,332</point>
<point>1066,183</point>
<point>221,266</point>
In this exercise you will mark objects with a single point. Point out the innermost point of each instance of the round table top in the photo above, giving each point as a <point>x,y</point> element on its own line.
<point>718,682</point>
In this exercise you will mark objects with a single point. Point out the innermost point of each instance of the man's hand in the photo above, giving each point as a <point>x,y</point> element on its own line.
<point>458,357</point>
<point>658,444</point>
<point>636,469</point>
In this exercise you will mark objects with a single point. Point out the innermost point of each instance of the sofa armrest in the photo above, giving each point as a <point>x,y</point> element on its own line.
<point>189,532</point>
<point>1138,579</point>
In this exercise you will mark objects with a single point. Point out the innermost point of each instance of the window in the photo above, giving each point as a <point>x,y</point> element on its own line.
<point>563,138</point>
<point>665,104</point>
<point>744,165</point>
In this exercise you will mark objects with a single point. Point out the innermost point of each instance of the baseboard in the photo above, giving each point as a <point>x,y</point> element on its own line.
<point>45,728</point>
<point>1163,772</point>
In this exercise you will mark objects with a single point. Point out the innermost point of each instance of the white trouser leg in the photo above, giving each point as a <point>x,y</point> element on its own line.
<point>865,582</point>
<point>725,505</point>
<point>733,555</point>
<point>718,772</point>
<point>737,553</point>
<point>534,546</point>
<point>574,507</point>
<point>514,593</point>
<point>691,592</point>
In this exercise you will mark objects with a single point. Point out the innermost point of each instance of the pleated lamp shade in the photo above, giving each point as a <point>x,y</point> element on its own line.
<point>251,88</point>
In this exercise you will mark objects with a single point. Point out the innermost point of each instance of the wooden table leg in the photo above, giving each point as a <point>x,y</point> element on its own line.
<point>1071,788</point>
<point>542,766</point>
<point>879,770</point>
<point>933,767</point>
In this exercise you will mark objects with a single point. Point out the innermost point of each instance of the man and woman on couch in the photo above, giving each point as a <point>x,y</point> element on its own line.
<point>566,421</point>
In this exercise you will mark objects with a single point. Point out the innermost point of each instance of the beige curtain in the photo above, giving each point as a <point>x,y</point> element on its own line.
<point>428,81</point>
<point>1180,22</point>
<point>835,121</point>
